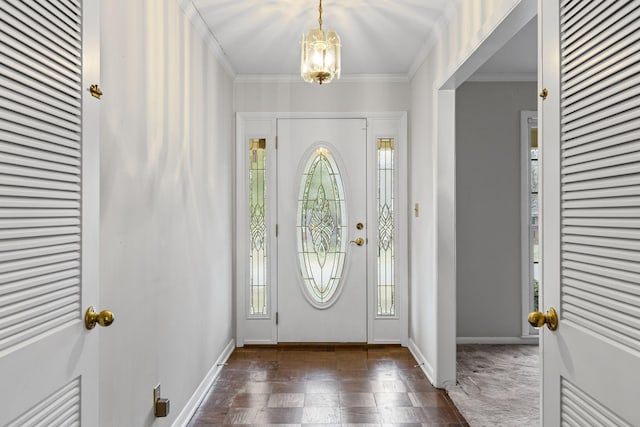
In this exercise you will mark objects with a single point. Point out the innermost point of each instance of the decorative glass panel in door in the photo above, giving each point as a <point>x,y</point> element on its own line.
<point>322,228</point>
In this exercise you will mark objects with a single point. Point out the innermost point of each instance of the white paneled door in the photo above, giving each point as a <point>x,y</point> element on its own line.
<point>49,56</point>
<point>591,211</point>
<point>322,230</point>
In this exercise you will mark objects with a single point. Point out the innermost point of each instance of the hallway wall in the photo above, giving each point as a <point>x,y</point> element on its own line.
<point>166,209</point>
<point>340,96</point>
<point>488,198</point>
<point>432,183</point>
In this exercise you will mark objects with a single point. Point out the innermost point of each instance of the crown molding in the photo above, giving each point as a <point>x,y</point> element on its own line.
<point>346,78</point>
<point>434,34</point>
<point>193,14</point>
<point>503,77</point>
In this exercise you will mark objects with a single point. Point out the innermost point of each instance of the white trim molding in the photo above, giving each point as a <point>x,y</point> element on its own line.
<point>431,41</point>
<point>504,77</point>
<point>530,339</point>
<point>196,399</point>
<point>423,363</point>
<point>198,22</point>
<point>346,78</point>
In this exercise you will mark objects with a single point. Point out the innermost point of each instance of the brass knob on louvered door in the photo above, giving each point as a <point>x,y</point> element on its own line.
<point>91,318</point>
<point>359,241</point>
<point>538,319</point>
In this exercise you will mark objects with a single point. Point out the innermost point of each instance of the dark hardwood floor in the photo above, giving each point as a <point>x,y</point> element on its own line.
<point>325,385</point>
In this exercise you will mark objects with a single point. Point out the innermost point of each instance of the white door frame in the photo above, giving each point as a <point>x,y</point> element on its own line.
<point>444,365</point>
<point>263,329</point>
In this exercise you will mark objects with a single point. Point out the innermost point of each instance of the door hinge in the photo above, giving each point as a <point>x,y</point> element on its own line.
<point>276,230</point>
<point>276,317</point>
<point>95,91</point>
<point>544,94</point>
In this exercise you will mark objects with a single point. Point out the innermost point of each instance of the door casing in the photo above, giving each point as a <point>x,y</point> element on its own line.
<point>441,367</point>
<point>263,329</point>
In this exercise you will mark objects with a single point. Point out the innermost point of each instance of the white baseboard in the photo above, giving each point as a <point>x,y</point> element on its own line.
<point>533,339</point>
<point>258,342</point>
<point>422,361</point>
<point>192,405</point>
<point>383,341</point>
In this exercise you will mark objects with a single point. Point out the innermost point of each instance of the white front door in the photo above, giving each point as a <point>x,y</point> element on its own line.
<point>590,205</point>
<point>322,230</point>
<point>49,167</point>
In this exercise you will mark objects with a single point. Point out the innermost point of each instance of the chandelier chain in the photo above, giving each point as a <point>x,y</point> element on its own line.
<point>320,15</point>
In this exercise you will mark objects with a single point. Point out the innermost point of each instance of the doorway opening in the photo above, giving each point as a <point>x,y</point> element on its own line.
<point>486,168</point>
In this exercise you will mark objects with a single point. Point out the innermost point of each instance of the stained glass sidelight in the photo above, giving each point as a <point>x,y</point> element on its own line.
<point>386,295</point>
<point>534,226</point>
<point>321,227</point>
<point>258,279</point>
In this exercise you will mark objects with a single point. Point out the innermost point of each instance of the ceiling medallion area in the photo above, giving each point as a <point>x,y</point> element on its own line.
<point>320,54</point>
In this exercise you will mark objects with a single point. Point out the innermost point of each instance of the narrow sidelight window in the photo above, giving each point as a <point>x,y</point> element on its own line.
<point>386,295</point>
<point>534,225</point>
<point>258,271</point>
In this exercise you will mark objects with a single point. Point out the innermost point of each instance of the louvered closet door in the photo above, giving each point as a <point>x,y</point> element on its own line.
<point>48,211</point>
<point>591,211</point>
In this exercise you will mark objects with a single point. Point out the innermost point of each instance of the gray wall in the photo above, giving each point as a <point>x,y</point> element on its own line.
<point>488,207</point>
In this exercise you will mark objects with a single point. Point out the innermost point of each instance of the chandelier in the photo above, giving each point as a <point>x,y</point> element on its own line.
<point>320,54</point>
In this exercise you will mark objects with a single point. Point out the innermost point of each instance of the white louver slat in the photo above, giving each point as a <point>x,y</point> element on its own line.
<point>40,180</point>
<point>600,190</point>
<point>62,408</point>
<point>579,409</point>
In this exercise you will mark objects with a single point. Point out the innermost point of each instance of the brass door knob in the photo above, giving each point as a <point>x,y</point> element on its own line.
<point>538,319</point>
<point>359,241</point>
<point>104,318</point>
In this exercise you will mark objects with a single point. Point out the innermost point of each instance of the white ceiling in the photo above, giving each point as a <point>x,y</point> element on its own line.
<point>378,36</point>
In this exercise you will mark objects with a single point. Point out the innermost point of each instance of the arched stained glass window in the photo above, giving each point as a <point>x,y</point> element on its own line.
<point>322,228</point>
